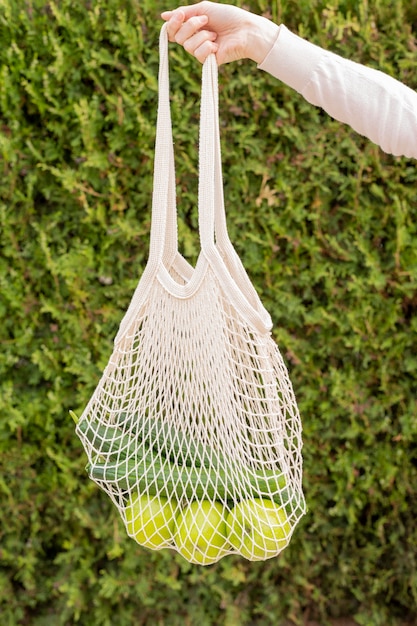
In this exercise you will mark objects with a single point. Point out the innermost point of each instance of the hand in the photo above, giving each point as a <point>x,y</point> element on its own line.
<point>227,31</point>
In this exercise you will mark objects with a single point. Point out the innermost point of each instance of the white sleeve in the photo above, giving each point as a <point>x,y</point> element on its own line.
<point>374,104</point>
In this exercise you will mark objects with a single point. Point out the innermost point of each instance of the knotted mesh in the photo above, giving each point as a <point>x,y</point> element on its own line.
<point>194,431</point>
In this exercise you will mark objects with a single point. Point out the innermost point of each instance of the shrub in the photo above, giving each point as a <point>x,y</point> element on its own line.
<point>325,224</point>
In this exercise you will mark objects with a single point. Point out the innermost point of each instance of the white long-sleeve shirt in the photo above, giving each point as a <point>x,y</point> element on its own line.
<point>371,102</point>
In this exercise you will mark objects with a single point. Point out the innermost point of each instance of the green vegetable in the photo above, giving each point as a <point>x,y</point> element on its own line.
<point>151,475</point>
<point>107,439</point>
<point>164,463</point>
<point>167,440</point>
<point>74,416</point>
<point>179,447</point>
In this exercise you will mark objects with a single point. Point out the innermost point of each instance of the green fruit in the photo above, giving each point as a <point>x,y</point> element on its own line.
<point>150,520</point>
<point>200,536</point>
<point>258,528</point>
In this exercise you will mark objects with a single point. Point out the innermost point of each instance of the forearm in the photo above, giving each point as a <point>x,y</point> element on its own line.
<point>261,36</point>
<point>371,102</point>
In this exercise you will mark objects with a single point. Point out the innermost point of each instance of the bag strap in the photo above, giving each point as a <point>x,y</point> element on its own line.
<point>216,247</point>
<point>163,237</point>
<point>212,221</point>
<point>214,237</point>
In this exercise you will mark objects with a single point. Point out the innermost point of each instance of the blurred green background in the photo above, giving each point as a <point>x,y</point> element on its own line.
<point>325,224</point>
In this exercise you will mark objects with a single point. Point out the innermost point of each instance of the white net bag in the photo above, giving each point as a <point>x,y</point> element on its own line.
<point>193,430</point>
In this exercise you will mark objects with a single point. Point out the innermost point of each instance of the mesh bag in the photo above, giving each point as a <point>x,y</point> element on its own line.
<point>193,430</point>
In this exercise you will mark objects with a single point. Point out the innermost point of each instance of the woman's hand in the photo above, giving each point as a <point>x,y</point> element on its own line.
<point>227,31</point>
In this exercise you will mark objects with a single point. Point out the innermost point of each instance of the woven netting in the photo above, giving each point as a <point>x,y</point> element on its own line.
<point>193,430</point>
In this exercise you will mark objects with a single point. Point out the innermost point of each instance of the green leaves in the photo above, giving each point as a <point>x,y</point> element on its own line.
<point>325,224</point>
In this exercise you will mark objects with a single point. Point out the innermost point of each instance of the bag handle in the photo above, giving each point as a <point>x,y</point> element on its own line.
<point>216,246</point>
<point>212,220</point>
<point>163,236</point>
<point>214,236</point>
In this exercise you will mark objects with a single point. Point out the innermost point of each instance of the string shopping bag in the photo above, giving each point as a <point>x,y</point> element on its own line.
<point>193,430</point>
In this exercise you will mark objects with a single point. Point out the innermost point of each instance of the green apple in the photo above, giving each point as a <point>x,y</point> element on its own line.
<point>150,520</point>
<point>200,535</point>
<point>258,528</point>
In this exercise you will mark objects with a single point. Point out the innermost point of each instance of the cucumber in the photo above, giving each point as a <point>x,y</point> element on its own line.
<point>184,470</point>
<point>106,438</point>
<point>166,440</point>
<point>179,447</point>
<point>180,481</point>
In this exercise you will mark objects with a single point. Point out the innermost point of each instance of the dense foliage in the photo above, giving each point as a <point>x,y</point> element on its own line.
<point>326,226</point>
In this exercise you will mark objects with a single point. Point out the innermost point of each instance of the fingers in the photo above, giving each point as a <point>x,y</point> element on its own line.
<point>188,11</point>
<point>190,33</point>
<point>175,19</point>
<point>203,50</point>
<point>179,29</point>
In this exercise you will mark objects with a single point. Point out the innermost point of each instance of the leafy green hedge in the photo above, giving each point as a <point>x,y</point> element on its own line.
<point>326,226</point>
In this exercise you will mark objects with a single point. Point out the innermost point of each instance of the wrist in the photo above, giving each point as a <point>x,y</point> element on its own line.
<point>261,36</point>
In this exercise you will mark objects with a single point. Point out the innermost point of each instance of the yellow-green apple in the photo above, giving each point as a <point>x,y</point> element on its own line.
<point>200,535</point>
<point>150,520</point>
<point>258,528</point>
